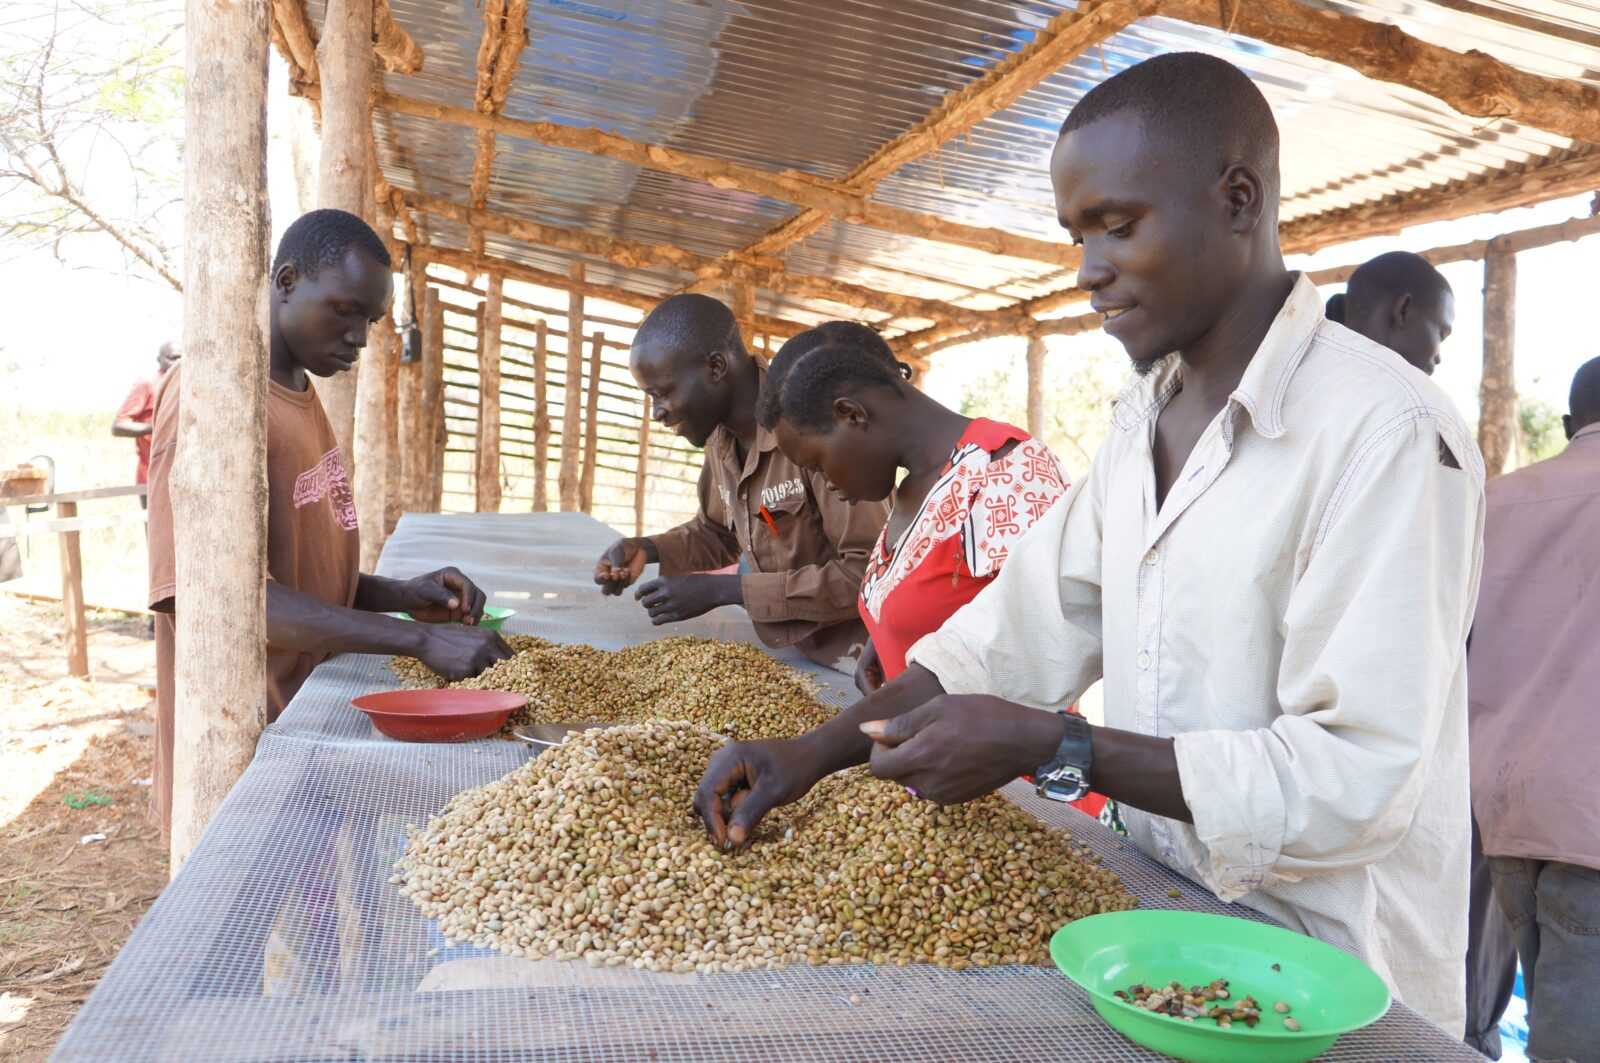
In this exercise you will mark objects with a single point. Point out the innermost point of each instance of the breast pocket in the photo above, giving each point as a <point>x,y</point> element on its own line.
<point>780,533</point>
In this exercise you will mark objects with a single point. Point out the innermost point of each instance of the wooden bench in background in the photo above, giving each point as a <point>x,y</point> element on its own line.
<point>67,524</point>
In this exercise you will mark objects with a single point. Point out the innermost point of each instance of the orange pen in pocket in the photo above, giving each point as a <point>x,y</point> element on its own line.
<point>771,524</point>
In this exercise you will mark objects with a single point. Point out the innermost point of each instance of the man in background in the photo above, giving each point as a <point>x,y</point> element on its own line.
<point>1400,301</point>
<point>1535,729</point>
<point>801,548</point>
<point>136,417</point>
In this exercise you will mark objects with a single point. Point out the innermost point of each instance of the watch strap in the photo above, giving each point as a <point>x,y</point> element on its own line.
<point>1065,777</point>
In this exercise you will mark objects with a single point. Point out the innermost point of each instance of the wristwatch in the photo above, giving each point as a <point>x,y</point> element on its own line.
<point>1065,777</point>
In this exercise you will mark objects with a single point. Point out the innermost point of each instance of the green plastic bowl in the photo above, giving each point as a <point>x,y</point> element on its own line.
<point>1329,992</point>
<point>493,616</point>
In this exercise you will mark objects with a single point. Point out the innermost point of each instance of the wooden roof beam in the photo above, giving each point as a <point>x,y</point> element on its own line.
<point>762,273</point>
<point>1475,84</point>
<point>469,263</point>
<point>395,47</point>
<point>1570,174</point>
<point>505,35</point>
<point>788,186</point>
<point>625,253</point>
<point>297,43</point>
<point>291,32</point>
<point>928,341</point>
<point>1066,37</point>
<point>1522,240</point>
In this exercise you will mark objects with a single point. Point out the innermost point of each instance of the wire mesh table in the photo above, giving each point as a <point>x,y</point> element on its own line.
<point>282,938</point>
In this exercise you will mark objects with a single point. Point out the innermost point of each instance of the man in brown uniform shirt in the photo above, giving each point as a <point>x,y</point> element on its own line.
<point>330,280</point>
<point>802,548</point>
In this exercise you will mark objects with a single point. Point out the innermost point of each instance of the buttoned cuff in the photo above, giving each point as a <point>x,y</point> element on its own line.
<point>947,657</point>
<point>765,598</point>
<point>1232,791</point>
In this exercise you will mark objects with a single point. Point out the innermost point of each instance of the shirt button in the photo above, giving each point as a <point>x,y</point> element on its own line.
<point>1143,659</point>
<point>1150,558</point>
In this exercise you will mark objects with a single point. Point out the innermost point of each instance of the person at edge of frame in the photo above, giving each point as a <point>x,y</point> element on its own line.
<point>1534,727</point>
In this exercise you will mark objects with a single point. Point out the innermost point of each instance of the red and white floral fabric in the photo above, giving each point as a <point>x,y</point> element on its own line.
<point>959,537</point>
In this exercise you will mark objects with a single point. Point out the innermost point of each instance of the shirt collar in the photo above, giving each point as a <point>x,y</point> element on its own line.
<point>1586,432</point>
<point>722,440</point>
<point>1266,379</point>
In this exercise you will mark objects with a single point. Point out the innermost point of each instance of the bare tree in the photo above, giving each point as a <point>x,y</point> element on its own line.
<point>91,108</point>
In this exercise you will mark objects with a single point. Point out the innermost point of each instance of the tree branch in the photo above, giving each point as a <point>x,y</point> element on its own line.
<point>63,101</point>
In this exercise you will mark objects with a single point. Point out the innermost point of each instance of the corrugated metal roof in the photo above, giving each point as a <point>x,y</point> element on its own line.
<point>817,85</point>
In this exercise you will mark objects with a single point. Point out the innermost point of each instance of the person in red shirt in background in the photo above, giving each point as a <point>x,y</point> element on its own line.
<point>136,417</point>
<point>838,401</point>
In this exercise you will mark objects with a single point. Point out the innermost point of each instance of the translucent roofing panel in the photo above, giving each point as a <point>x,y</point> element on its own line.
<point>818,85</point>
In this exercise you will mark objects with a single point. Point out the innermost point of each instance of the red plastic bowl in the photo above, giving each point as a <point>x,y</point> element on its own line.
<point>439,715</point>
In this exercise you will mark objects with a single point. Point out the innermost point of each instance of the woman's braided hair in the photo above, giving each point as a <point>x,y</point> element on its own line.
<point>822,364</point>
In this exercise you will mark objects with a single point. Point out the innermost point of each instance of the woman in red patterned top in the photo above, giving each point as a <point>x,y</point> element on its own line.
<point>838,401</point>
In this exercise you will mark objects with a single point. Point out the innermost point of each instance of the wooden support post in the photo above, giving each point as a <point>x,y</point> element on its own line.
<point>412,431</point>
<point>541,418</point>
<point>374,402</point>
<point>218,482</point>
<point>304,150</point>
<point>1036,353</point>
<point>412,417</point>
<point>373,409</point>
<point>591,425</point>
<point>642,472</point>
<point>487,481</point>
<point>432,397</point>
<point>571,424</point>
<point>1497,395</point>
<point>72,595</point>
<point>393,480</point>
<point>344,62</point>
<point>744,306</point>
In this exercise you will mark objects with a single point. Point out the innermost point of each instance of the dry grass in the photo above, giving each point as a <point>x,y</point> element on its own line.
<point>73,756</point>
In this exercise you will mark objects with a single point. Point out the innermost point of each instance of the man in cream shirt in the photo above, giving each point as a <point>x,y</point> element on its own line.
<point>1272,563</point>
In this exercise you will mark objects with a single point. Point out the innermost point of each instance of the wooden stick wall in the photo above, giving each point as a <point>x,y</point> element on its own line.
<point>601,444</point>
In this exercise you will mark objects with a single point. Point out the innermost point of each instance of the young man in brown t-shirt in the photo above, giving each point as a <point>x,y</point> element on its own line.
<point>330,281</point>
<point>802,548</point>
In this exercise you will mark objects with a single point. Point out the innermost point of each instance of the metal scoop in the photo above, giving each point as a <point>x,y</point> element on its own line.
<point>553,734</point>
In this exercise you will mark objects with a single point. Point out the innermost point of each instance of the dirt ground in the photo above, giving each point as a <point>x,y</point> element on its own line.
<point>79,861</point>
